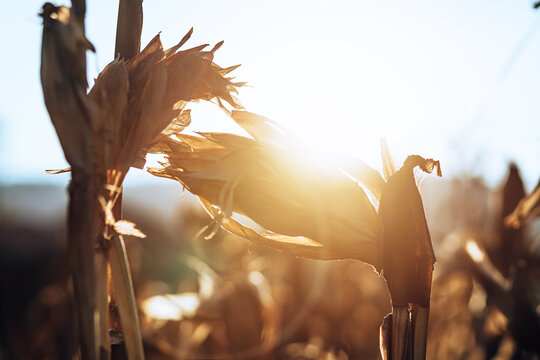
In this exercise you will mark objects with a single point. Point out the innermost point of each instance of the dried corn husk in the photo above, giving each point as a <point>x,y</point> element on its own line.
<point>151,91</point>
<point>408,256</point>
<point>309,209</point>
<point>312,210</point>
<point>140,101</point>
<point>136,98</point>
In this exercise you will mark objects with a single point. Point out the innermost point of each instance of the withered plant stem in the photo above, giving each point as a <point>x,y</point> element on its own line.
<point>80,250</point>
<point>128,44</point>
<point>419,320</point>
<point>125,297</point>
<point>102,304</point>
<point>403,334</point>
<point>128,29</point>
<point>400,332</point>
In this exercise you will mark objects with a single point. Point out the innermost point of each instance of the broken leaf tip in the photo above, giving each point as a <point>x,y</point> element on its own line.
<point>427,165</point>
<point>125,227</point>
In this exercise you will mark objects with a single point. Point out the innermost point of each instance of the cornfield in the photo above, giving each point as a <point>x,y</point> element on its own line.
<point>273,252</point>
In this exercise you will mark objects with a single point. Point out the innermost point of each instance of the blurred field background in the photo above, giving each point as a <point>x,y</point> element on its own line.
<point>225,298</point>
<point>455,81</point>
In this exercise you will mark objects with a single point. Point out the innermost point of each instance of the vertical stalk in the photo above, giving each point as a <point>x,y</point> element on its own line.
<point>129,29</point>
<point>125,297</point>
<point>80,228</point>
<point>80,250</point>
<point>78,9</point>
<point>385,338</point>
<point>64,84</point>
<point>102,304</point>
<point>128,44</point>
<point>408,257</point>
<point>420,332</point>
<point>400,332</point>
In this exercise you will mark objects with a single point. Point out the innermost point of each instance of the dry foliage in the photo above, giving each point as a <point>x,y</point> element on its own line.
<point>310,209</point>
<point>143,97</point>
<point>527,208</point>
<point>134,99</point>
<point>317,211</point>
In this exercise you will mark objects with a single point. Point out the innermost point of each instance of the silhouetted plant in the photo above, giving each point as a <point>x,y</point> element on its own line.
<point>317,211</point>
<point>137,99</point>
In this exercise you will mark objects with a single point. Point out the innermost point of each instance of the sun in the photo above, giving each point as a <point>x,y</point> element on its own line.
<point>341,96</point>
<point>340,92</point>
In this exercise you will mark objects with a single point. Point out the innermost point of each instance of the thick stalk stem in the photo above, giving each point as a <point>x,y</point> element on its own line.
<point>78,8</point>
<point>102,305</point>
<point>129,29</point>
<point>80,252</point>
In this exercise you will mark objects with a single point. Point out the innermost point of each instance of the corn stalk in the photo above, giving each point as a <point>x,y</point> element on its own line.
<point>408,258</point>
<point>63,78</point>
<point>138,99</point>
<point>128,44</point>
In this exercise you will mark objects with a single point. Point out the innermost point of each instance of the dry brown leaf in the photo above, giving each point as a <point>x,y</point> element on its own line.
<point>297,246</point>
<point>407,251</point>
<point>263,129</point>
<point>389,168</point>
<point>110,94</point>
<point>527,208</point>
<point>63,78</point>
<point>178,124</point>
<point>141,101</point>
<point>290,194</point>
<point>72,112</point>
<point>124,227</point>
<point>58,171</point>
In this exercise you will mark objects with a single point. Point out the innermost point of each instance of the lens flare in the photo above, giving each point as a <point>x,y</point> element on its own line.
<point>171,307</point>
<point>474,251</point>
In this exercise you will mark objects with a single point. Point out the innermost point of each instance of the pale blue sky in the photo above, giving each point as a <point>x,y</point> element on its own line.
<point>439,78</point>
